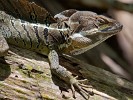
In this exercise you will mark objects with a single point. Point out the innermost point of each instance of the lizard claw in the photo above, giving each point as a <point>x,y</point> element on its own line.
<point>82,88</point>
<point>85,90</point>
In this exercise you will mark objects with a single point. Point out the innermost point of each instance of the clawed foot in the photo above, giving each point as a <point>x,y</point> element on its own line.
<point>84,90</point>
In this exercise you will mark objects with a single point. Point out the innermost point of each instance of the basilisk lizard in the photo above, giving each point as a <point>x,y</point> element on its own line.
<point>74,33</point>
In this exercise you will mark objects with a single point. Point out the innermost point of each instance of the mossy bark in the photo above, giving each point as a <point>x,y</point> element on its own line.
<point>26,75</point>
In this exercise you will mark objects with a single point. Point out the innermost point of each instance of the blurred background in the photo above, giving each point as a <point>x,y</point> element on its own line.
<point>116,54</point>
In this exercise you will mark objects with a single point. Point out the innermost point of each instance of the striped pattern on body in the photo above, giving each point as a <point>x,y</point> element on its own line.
<point>29,35</point>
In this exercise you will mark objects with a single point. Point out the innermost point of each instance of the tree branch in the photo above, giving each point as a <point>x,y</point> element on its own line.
<point>26,75</point>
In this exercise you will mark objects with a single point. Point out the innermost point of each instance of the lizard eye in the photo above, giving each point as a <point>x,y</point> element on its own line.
<point>100,21</point>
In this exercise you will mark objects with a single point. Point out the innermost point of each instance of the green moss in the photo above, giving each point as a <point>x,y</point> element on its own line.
<point>29,67</point>
<point>45,97</point>
<point>2,85</point>
<point>22,98</point>
<point>20,91</point>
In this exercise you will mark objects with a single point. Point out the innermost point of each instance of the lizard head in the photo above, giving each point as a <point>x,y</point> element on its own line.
<point>87,29</point>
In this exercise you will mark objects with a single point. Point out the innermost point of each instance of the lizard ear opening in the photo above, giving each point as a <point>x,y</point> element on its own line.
<point>66,25</point>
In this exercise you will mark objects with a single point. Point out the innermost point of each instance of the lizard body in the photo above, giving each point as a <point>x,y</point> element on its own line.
<point>29,35</point>
<point>75,33</point>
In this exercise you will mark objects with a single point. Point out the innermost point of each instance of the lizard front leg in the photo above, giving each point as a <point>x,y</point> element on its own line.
<point>3,46</point>
<point>65,75</point>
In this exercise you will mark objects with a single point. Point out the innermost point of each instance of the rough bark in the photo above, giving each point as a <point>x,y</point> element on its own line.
<point>26,75</point>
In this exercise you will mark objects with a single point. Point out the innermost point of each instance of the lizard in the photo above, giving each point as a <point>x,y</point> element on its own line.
<point>74,33</point>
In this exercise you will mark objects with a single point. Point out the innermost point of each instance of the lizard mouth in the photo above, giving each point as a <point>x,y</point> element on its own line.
<point>110,28</point>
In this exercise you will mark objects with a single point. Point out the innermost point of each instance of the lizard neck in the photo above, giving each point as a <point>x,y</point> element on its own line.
<point>58,37</point>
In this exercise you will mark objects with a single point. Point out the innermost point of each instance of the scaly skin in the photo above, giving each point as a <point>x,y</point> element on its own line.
<point>75,33</point>
<point>29,35</point>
